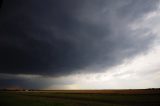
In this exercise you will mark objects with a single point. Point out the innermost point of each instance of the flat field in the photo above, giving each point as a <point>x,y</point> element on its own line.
<point>81,98</point>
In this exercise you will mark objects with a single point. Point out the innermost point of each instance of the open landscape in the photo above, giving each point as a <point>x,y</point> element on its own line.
<point>146,97</point>
<point>79,52</point>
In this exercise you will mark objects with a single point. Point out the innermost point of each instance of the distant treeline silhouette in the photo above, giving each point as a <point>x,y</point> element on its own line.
<point>110,91</point>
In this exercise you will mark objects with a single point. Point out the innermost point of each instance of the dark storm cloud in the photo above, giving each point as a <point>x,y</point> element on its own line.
<point>1,1</point>
<point>21,82</point>
<point>29,81</point>
<point>50,37</point>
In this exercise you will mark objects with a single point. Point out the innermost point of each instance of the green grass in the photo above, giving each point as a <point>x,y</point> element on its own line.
<point>72,99</point>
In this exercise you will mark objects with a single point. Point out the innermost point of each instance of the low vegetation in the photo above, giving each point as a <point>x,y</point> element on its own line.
<point>80,98</point>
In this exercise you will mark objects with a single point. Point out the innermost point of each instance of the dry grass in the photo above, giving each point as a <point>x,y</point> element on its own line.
<point>81,98</point>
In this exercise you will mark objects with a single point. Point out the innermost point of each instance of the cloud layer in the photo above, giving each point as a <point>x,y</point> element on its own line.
<point>59,37</point>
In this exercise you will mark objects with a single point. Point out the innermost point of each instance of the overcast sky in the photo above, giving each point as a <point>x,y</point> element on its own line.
<point>80,44</point>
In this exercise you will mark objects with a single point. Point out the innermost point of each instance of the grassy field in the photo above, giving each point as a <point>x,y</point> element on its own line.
<point>80,98</point>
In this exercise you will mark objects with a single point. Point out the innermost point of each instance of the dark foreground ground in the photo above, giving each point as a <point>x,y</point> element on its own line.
<point>81,98</point>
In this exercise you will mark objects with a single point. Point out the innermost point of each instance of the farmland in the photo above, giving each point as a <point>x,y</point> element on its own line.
<point>81,98</point>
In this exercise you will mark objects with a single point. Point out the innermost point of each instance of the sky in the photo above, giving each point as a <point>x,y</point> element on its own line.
<point>80,44</point>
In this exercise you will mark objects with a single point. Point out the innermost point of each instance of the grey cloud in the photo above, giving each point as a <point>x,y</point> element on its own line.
<point>30,81</point>
<point>23,81</point>
<point>57,37</point>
